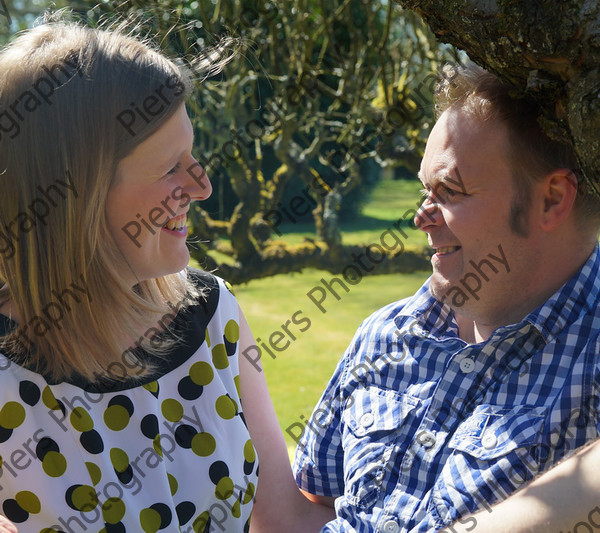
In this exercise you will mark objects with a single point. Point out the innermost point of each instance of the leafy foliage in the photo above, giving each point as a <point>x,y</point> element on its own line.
<point>315,99</point>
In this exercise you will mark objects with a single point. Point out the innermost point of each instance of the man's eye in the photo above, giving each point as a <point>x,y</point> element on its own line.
<point>173,170</point>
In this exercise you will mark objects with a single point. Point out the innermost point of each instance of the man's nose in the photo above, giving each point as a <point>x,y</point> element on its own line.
<point>428,215</point>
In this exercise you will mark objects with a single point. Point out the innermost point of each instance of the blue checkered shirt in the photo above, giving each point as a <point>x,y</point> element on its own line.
<point>417,428</point>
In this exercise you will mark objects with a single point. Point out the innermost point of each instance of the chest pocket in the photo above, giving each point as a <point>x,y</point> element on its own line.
<point>373,421</point>
<point>491,454</point>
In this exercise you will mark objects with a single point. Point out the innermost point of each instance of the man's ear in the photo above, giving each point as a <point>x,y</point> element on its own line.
<point>558,190</point>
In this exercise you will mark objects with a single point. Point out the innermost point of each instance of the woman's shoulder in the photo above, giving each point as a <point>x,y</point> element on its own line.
<point>209,284</point>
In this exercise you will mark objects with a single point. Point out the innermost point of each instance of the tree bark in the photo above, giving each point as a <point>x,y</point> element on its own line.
<point>548,49</point>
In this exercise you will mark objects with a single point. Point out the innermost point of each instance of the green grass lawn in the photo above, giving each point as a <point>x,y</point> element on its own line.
<point>298,374</point>
<point>389,202</point>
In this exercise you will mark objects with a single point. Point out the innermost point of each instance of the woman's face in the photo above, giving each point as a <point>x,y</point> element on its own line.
<point>148,203</point>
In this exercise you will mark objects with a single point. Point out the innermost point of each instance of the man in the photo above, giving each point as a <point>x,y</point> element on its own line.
<point>451,400</point>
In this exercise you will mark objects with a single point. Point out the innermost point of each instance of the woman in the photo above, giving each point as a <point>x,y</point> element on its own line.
<point>123,403</point>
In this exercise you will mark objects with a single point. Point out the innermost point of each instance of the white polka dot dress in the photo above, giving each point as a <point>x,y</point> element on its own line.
<point>170,453</point>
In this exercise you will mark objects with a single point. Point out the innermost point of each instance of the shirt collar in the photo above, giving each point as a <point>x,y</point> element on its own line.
<point>580,293</point>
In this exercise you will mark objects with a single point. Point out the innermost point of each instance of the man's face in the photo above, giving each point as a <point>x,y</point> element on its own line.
<point>481,267</point>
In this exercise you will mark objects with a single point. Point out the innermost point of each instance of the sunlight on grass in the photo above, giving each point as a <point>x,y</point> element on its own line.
<point>299,372</point>
<point>301,343</point>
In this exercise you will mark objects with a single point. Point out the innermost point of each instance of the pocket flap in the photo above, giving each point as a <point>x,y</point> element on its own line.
<point>493,431</point>
<point>374,409</point>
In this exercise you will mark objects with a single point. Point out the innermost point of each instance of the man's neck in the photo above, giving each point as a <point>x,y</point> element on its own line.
<point>477,326</point>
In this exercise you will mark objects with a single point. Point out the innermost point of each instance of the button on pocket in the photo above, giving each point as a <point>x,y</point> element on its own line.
<point>367,420</point>
<point>391,526</point>
<point>489,448</point>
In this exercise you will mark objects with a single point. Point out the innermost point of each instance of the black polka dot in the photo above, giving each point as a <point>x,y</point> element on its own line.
<point>149,426</point>
<point>217,471</point>
<point>248,467</point>
<point>13,511</point>
<point>165,514</point>
<point>189,390</point>
<point>61,406</point>
<point>115,528</point>
<point>30,393</point>
<point>5,434</point>
<point>124,402</point>
<point>92,441</point>
<point>184,435</point>
<point>126,476</point>
<point>185,511</point>
<point>230,347</point>
<point>44,446</point>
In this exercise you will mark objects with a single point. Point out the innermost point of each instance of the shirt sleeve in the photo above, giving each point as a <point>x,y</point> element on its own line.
<point>318,462</point>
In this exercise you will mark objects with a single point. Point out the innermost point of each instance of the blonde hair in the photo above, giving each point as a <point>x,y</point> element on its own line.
<point>71,110</point>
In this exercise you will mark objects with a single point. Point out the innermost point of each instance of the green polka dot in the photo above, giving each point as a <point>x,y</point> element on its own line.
<point>201,521</point>
<point>84,498</point>
<point>150,520</point>
<point>119,460</point>
<point>156,445</point>
<point>12,415</point>
<point>219,356</point>
<point>207,336</point>
<point>116,417</point>
<point>226,407</point>
<point>249,452</point>
<point>201,373</point>
<point>236,509</point>
<point>229,287</point>
<point>152,386</point>
<point>249,494</point>
<point>49,400</point>
<point>238,388</point>
<point>232,331</point>
<point>203,444</point>
<point>113,510</point>
<point>173,485</point>
<point>81,420</point>
<point>95,472</point>
<point>28,501</point>
<point>224,488</point>
<point>172,410</point>
<point>54,464</point>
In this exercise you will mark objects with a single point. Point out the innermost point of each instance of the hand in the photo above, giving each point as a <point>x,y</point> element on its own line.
<point>6,526</point>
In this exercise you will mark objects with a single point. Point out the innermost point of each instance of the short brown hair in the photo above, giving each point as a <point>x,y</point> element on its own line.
<point>532,153</point>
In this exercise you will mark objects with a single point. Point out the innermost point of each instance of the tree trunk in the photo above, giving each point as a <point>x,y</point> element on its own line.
<point>548,49</point>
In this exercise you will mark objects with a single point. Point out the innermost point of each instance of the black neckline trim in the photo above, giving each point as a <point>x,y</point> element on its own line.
<point>189,324</point>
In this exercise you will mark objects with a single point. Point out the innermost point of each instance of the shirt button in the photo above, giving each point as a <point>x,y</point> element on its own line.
<point>391,526</point>
<point>427,439</point>
<point>367,420</point>
<point>489,440</point>
<point>467,365</point>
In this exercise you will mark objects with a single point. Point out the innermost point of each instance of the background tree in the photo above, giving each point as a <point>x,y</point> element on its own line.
<point>318,99</point>
<point>546,49</point>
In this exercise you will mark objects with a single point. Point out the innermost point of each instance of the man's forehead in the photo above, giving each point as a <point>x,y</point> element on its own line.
<point>440,170</point>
